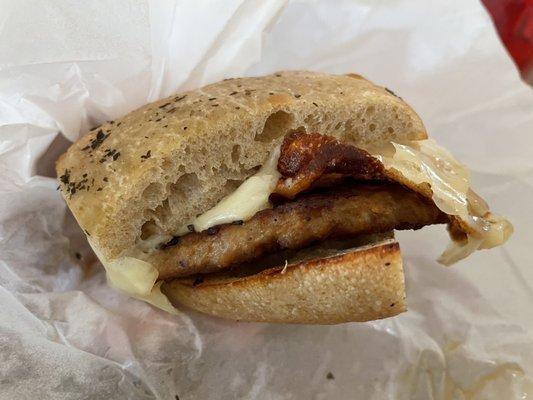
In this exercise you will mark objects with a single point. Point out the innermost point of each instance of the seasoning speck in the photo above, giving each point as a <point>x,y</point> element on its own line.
<point>199,279</point>
<point>316,105</point>
<point>330,376</point>
<point>387,264</point>
<point>77,255</point>
<point>184,128</point>
<point>391,92</point>
<point>65,178</point>
<point>392,304</point>
<point>116,155</point>
<point>147,155</point>
<point>179,98</point>
<point>212,98</point>
<point>183,264</point>
<point>190,227</point>
<point>233,93</point>
<point>213,230</point>
<point>172,242</point>
<point>98,140</point>
<point>297,96</point>
<point>238,222</point>
<point>164,105</point>
<point>106,179</point>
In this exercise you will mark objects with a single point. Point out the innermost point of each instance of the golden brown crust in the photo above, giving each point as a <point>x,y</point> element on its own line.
<point>361,285</point>
<point>169,160</point>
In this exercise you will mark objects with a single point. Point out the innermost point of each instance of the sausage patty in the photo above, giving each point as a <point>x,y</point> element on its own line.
<point>337,212</point>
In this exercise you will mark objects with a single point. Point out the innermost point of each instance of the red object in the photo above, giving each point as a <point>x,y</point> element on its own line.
<point>514,22</point>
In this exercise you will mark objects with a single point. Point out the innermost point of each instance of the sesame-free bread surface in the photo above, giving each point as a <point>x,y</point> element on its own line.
<point>355,286</point>
<point>161,165</point>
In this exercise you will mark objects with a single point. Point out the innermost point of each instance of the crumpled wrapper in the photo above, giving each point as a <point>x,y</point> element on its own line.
<point>64,334</point>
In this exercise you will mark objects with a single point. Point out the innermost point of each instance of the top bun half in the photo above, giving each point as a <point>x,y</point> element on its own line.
<point>168,161</point>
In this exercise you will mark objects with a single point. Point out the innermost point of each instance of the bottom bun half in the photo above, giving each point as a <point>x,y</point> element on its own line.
<point>353,285</point>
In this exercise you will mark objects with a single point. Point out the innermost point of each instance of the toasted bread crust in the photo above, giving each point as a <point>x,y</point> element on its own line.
<point>360,285</point>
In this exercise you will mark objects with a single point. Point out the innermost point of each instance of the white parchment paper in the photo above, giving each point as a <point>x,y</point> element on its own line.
<point>66,66</point>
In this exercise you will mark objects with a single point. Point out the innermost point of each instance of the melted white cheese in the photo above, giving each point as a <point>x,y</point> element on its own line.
<point>425,161</point>
<point>249,198</point>
<point>136,278</point>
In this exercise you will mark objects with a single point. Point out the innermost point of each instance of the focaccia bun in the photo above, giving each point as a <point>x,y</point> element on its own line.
<point>355,286</point>
<point>170,160</point>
